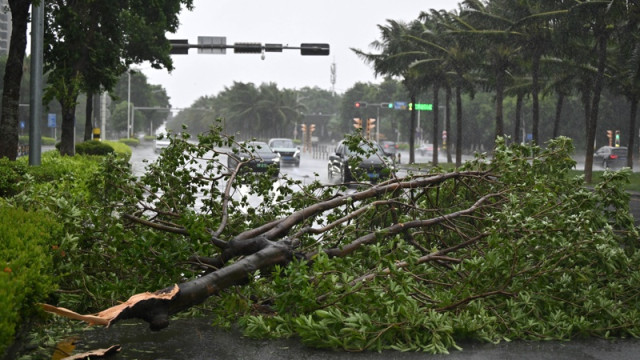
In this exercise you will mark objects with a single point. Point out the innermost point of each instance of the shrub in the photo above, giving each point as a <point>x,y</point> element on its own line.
<point>48,141</point>
<point>24,140</point>
<point>130,142</point>
<point>94,147</point>
<point>120,148</point>
<point>149,138</point>
<point>11,172</point>
<point>26,266</point>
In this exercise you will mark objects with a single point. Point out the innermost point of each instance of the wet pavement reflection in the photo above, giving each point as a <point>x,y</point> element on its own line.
<point>197,339</point>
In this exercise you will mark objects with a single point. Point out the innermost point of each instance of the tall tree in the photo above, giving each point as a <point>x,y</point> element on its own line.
<point>90,43</point>
<point>9,118</point>
<point>395,59</point>
<point>499,50</point>
<point>601,19</point>
<point>626,64</point>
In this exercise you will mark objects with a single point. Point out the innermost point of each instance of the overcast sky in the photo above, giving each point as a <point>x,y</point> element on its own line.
<point>343,24</point>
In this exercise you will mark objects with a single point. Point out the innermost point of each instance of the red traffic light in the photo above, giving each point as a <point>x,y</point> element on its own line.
<point>360,104</point>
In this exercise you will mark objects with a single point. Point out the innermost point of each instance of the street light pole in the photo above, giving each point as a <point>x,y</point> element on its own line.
<point>129,126</point>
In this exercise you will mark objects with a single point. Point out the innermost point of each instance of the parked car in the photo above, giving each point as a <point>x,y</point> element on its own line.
<point>611,157</point>
<point>257,155</point>
<point>289,152</point>
<point>372,164</point>
<point>389,147</point>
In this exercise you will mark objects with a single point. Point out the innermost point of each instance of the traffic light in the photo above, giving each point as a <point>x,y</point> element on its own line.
<point>386,105</point>
<point>617,138</point>
<point>371,124</point>
<point>314,49</point>
<point>304,128</point>
<point>357,123</point>
<point>360,104</point>
<point>247,48</point>
<point>312,128</point>
<point>180,46</point>
<point>610,136</point>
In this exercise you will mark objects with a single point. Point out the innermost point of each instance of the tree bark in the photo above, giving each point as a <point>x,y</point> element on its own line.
<point>458,127</point>
<point>556,122</point>
<point>632,131</point>
<point>516,128</point>
<point>9,119</point>
<point>436,111</point>
<point>88,123</point>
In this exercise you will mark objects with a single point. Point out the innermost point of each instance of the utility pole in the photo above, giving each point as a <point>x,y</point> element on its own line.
<point>35,114</point>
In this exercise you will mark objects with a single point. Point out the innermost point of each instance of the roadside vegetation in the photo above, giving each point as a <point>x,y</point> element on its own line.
<point>504,249</point>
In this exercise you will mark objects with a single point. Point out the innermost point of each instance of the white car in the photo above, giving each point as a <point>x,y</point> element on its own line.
<point>160,144</point>
<point>289,152</point>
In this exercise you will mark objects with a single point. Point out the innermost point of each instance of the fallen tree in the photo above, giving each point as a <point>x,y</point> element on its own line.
<point>507,249</point>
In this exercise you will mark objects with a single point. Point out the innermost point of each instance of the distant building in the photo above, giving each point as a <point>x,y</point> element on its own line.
<point>5,27</point>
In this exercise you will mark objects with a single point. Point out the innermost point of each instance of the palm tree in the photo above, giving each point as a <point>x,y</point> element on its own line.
<point>626,65</point>
<point>395,60</point>
<point>600,19</point>
<point>496,43</point>
<point>459,60</point>
<point>240,110</point>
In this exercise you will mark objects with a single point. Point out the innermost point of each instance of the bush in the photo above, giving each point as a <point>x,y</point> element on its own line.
<point>48,141</point>
<point>149,138</point>
<point>11,172</point>
<point>130,142</point>
<point>120,148</point>
<point>26,266</point>
<point>94,147</point>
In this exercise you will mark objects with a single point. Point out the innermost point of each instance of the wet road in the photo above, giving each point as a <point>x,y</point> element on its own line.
<point>197,339</point>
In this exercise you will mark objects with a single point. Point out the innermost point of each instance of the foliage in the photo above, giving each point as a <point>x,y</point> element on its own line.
<point>503,249</point>
<point>551,260</point>
<point>47,141</point>
<point>130,142</point>
<point>27,256</point>
<point>120,148</point>
<point>93,147</point>
<point>10,174</point>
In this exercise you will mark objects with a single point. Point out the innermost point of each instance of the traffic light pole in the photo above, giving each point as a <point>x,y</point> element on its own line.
<point>182,46</point>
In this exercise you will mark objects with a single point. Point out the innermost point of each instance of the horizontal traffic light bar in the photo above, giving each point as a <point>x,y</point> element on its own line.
<point>398,105</point>
<point>218,45</point>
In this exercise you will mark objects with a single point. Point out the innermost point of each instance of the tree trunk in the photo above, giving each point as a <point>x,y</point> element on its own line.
<point>447,123</point>
<point>88,124</point>
<point>535,89</point>
<point>436,111</point>
<point>412,132</point>
<point>632,130</point>
<point>499,98</point>
<point>593,116</point>
<point>458,127</point>
<point>67,141</point>
<point>516,129</point>
<point>9,119</point>
<point>556,121</point>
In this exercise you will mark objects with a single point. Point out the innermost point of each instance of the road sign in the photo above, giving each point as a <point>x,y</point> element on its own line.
<point>400,105</point>
<point>425,107</point>
<point>51,120</point>
<point>212,40</point>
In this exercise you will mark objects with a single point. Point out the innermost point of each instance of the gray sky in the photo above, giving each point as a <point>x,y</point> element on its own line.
<point>344,24</point>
